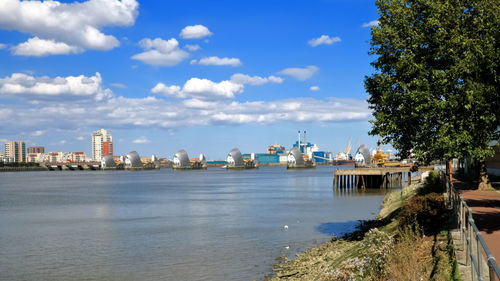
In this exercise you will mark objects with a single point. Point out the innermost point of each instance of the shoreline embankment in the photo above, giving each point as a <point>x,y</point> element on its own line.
<point>23,169</point>
<point>310,264</point>
<point>392,247</point>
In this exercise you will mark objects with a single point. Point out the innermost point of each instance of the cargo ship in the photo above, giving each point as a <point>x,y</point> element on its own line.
<point>343,162</point>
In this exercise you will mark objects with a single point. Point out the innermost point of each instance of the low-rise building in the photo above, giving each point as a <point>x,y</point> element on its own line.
<point>5,159</point>
<point>54,157</point>
<point>76,157</point>
<point>35,157</point>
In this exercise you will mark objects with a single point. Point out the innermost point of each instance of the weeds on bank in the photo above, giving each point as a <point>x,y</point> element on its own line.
<point>415,249</point>
<point>408,243</point>
<point>375,249</point>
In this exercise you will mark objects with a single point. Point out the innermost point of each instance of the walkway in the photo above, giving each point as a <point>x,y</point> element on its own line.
<point>485,207</point>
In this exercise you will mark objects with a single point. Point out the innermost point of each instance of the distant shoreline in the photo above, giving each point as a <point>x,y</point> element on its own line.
<point>23,169</point>
<point>216,165</point>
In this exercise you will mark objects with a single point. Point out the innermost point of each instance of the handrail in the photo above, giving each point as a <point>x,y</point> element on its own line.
<point>469,230</point>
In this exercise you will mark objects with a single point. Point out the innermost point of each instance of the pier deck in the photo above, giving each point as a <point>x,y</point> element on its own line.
<point>376,177</point>
<point>372,171</point>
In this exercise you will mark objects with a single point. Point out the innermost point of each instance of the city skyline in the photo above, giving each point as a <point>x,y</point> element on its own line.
<point>164,76</point>
<point>102,144</point>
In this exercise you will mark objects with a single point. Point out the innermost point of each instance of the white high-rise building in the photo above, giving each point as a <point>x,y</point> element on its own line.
<point>102,144</point>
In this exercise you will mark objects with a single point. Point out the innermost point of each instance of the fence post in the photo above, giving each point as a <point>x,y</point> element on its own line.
<point>463,228</point>
<point>490,267</point>
<point>467,240</point>
<point>478,257</point>
<point>450,170</point>
<point>469,226</point>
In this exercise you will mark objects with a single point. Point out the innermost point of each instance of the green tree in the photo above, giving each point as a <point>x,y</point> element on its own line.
<point>436,87</point>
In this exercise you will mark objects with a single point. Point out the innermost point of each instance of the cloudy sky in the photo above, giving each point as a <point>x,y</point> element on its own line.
<point>205,76</point>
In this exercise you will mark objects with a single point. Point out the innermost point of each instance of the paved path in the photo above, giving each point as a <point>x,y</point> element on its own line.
<point>486,212</point>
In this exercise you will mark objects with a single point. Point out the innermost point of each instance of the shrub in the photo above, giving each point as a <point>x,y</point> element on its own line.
<point>424,211</point>
<point>432,184</point>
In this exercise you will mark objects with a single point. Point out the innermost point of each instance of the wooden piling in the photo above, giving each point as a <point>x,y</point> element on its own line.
<point>381,177</point>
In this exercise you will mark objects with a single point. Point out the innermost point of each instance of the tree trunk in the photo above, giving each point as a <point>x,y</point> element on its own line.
<point>484,180</point>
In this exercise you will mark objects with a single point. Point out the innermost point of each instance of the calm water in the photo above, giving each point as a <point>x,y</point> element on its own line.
<point>165,225</point>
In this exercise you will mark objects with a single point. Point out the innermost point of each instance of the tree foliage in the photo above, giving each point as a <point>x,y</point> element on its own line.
<point>436,88</point>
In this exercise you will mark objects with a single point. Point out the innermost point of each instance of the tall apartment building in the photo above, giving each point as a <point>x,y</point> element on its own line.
<point>36,149</point>
<point>102,144</point>
<point>16,150</point>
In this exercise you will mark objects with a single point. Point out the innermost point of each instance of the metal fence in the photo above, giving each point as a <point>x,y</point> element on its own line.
<point>477,255</point>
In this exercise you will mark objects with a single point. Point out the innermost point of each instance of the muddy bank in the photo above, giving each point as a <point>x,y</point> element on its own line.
<point>321,262</point>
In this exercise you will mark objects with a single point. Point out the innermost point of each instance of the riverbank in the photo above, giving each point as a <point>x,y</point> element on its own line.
<point>387,248</point>
<point>23,169</point>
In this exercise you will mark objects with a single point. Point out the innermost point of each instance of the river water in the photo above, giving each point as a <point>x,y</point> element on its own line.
<point>165,225</point>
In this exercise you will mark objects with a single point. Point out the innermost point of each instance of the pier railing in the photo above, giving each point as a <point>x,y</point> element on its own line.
<point>478,256</point>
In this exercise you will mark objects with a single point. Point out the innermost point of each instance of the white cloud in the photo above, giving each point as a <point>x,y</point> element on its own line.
<point>62,142</point>
<point>314,88</point>
<point>192,48</point>
<point>195,32</point>
<point>20,84</point>
<point>3,46</point>
<point>161,52</point>
<point>152,112</point>
<point>300,73</point>
<point>118,85</point>
<point>204,89</point>
<point>324,40</point>
<point>141,140</point>
<point>38,133</point>
<point>37,47</point>
<point>66,26</point>
<point>217,61</point>
<point>80,138</point>
<point>173,91</point>
<point>372,23</point>
<point>255,80</point>
<point>201,104</point>
<point>206,103</point>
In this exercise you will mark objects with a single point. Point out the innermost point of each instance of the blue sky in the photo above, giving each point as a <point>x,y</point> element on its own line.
<point>261,71</point>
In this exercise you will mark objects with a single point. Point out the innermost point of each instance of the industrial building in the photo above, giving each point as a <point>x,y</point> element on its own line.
<point>276,149</point>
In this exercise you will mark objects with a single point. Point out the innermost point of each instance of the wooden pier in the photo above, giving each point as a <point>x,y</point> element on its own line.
<point>382,177</point>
